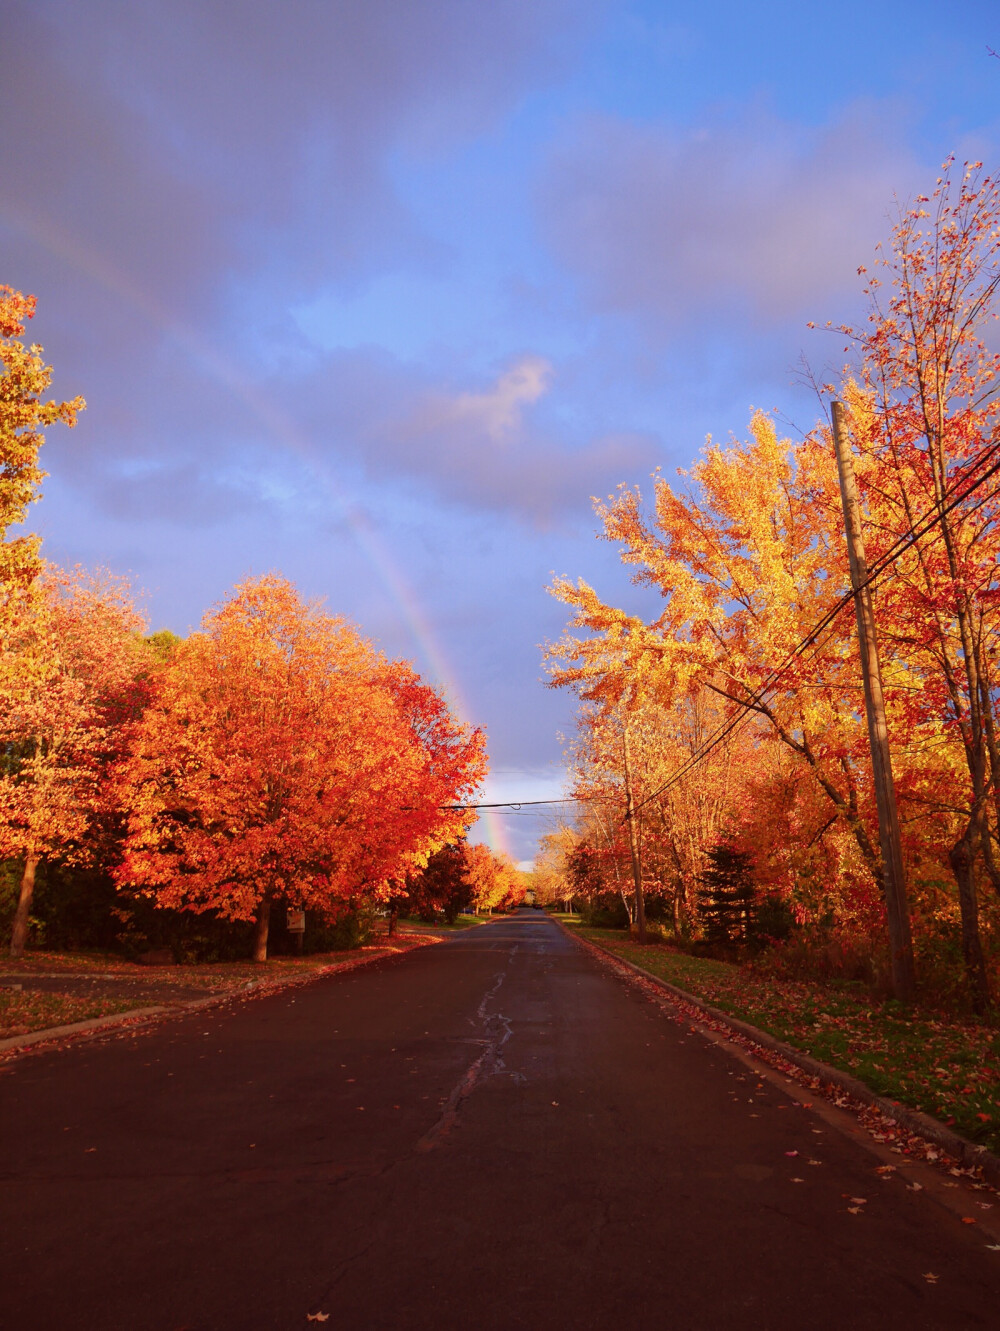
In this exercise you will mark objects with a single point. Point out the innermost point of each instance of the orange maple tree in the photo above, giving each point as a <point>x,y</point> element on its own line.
<point>284,759</point>
<point>495,882</point>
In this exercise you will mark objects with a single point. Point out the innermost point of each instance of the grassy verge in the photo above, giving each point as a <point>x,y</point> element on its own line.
<point>21,1013</point>
<point>25,1011</point>
<point>947,1068</point>
<point>412,924</point>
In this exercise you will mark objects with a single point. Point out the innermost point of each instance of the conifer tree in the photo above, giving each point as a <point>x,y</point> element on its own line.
<point>727,895</point>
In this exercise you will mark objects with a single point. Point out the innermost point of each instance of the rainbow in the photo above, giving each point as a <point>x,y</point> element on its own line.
<point>226,373</point>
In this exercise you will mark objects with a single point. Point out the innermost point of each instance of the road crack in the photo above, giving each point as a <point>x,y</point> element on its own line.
<point>497,1030</point>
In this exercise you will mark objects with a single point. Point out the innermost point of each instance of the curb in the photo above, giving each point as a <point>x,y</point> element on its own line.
<point>145,1015</point>
<point>922,1125</point>
<point>79,1027</point>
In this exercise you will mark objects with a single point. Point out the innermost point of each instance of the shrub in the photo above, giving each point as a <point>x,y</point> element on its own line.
<point>607,911</point>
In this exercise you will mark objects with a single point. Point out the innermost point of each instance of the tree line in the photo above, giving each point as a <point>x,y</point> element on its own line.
<point>735,717</point>
<point>273,758</point>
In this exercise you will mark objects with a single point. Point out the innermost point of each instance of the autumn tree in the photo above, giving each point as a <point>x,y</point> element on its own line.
<point>284,759</point>
<point>926,420</point>
<point>495,882</point>
<point>27,659</point>
<point>72,688</point>
<point>742,560</point>
<point>748,556</point>
<point>24,412</point>
<point>441,885</point>
<point>550,876</point>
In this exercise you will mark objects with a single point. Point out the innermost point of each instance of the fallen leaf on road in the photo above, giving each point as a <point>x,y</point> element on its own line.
<point>856,1210</point>
<point>89,1150</point>
<point>885,1170</point>
<point>859,1201</point>
<point>929,1275</point>
<point>317,1317</point>
<point>798,1180</point>
<point>815,1162</point>
<point>993,1247</point>
<point>969,1220</point>
<point>555,1104</point>
<point>791,1153</point>
<point>915,1187</point>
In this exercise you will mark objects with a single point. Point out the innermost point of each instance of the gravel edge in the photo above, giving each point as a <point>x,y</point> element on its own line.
<point>921,1125</point>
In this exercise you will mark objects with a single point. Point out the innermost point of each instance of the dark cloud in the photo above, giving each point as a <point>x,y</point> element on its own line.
<point>176,174</point>
<point>164,147</point>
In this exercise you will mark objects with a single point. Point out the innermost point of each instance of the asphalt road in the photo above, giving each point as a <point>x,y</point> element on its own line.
<point>489,1133</point>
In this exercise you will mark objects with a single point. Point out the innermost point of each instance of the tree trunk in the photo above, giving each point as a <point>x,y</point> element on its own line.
<point>19,933</point>
<point>261,930</point>
<point>962,858</point>
<point>393,916</point>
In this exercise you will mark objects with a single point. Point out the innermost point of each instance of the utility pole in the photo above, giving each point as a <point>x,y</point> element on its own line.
<point>897,911</point>
<point>633,843</point>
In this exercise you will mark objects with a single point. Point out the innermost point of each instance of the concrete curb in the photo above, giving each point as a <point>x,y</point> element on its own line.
<point>144,1015</point>
<point>921,1125</point>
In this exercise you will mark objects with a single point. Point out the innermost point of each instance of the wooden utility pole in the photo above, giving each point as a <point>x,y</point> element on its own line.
<point>633,843</point>
<point>897,911</point>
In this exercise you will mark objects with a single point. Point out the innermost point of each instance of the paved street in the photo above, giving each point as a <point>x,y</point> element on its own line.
<point>493,1132</point>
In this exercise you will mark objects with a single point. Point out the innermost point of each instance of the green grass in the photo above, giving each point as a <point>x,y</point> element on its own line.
<point>462,922</point>
<point>950,1069</point>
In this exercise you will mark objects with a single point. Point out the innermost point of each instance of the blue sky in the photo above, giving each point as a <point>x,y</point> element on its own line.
<point>379,293</point>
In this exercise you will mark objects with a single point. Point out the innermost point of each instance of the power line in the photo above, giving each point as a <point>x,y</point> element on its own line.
<point>518,804</point>
<point>898,548</point>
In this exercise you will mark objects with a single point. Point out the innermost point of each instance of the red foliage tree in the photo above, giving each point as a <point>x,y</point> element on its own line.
<point>285,759</point>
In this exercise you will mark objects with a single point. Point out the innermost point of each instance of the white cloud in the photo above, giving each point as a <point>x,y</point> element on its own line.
<point>496,412</point>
